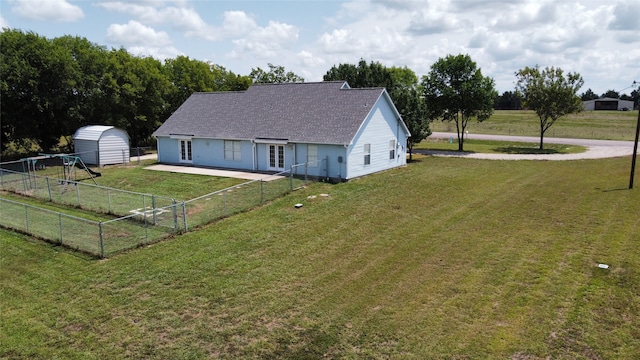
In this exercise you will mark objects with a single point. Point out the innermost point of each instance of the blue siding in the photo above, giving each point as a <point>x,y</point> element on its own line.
<point>168,150</point>
<point>381,126</point>
<point>378,129</point>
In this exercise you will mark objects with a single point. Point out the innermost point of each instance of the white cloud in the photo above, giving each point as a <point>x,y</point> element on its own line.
<point>238,23</point>
<point>432,21</point>
<point>161,53</point>
<point>135,34</point>
<point>626,16</point>
<point>50,10</point>
<point>3,23</point>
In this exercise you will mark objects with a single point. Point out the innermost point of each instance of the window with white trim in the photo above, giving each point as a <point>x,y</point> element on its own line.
<point>367,154</point>
<point>312,155</point>
<point>232,150</point>
<point>392,149</point>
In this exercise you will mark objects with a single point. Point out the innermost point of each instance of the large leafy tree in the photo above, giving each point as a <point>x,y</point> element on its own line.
<point>455,90</point>
<point>589,95</point>
<point>362,75</point>
<point>611,94</point>
<point>37,81</point>
<point>276,74</point>
<point>507,101</point>
<point>549,93</point>
<point>402,85</point>
<point>407,97</point>
<point>190,75</point>
<point>86,105</point>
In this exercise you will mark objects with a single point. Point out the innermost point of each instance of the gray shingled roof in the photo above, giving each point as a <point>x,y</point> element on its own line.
<point>321,112</point>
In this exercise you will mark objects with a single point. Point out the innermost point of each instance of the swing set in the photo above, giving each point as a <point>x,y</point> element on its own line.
<point>69,164</point>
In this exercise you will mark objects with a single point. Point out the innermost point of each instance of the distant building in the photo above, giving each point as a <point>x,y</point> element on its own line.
<point>608,104</point>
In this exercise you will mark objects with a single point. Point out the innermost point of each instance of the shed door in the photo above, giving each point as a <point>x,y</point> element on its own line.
<point>186,154</point>
<point>276,157</point>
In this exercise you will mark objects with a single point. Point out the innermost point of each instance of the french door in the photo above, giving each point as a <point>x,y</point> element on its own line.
<point>186,154</point>
<point>276,157</point>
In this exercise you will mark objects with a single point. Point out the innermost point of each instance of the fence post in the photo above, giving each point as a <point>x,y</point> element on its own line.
<point>261,191</point>
<point>109,199</point>
<point>26,216</point>
<point>146,228</point>
<point>224,203</point>
<point>123,157</point>
<point>24,182</point>
<point>306,173</point>
<point>153,204</point>
<point>175,214</point>
<point>184,214</point>
<point>291,179</point>
<point>138,151</point>
<point>101,240</point>
<point>60,225</point>
<point>78,192</point>
<point>49,188</point>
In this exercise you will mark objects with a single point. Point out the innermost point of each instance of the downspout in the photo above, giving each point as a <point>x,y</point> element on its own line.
<point>397,138</point>
<point>346,156</point>
<point>255,155</point>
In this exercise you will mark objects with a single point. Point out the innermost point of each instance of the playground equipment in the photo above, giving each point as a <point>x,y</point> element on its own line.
<point>69,163</point>
<point>29,167</point>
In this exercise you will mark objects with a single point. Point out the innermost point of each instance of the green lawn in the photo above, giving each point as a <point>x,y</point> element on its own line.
<point>608,125</point>
<point>445,258</point>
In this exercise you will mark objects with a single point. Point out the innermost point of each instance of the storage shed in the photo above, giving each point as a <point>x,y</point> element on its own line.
<point>101,145</point>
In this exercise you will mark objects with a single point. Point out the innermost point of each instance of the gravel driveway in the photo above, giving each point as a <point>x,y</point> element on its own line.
<point>596,149</point>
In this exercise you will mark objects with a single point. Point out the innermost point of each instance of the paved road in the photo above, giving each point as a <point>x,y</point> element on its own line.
<point>596,149</point>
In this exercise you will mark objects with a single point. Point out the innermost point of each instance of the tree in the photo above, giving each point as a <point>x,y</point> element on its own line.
<point>402,86</point>
<point>37,83</point>
<point>406,95</point>
<point>275,75</point>
<point>455,90</point>
<point>507,101</point>
<point>549,93</point>
<point>363,75</point>
<point>611,94</point>
<point>410,105</point>
<point>589,95</point>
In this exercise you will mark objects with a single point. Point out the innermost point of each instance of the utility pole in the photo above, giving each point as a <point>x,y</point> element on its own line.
<point>635,145</point>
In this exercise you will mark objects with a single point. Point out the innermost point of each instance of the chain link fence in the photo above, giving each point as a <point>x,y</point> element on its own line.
<point>136,218</point>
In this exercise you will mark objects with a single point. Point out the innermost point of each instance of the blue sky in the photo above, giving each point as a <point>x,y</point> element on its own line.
<point>598,39</point>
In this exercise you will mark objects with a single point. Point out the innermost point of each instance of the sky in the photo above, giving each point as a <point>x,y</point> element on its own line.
<point>598,39</point>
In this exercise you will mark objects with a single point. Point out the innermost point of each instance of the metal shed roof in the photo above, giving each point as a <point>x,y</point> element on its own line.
<point>91,132</point>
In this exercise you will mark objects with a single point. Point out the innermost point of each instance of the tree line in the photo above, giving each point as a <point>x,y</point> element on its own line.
<point>51,87</point>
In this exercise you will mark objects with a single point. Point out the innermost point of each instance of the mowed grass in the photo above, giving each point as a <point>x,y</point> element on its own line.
<point>604,125</point>
<point>445,258</point>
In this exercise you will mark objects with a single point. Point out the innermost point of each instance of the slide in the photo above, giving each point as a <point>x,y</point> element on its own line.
<point>82,166</point>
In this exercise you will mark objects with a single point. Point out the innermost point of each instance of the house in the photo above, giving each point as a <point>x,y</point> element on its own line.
<point>342,133</point>
<point>608,104</point>
<point>101,145</point>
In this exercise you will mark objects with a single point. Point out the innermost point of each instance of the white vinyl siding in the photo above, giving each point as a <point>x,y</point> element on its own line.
<point>232,150</point>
